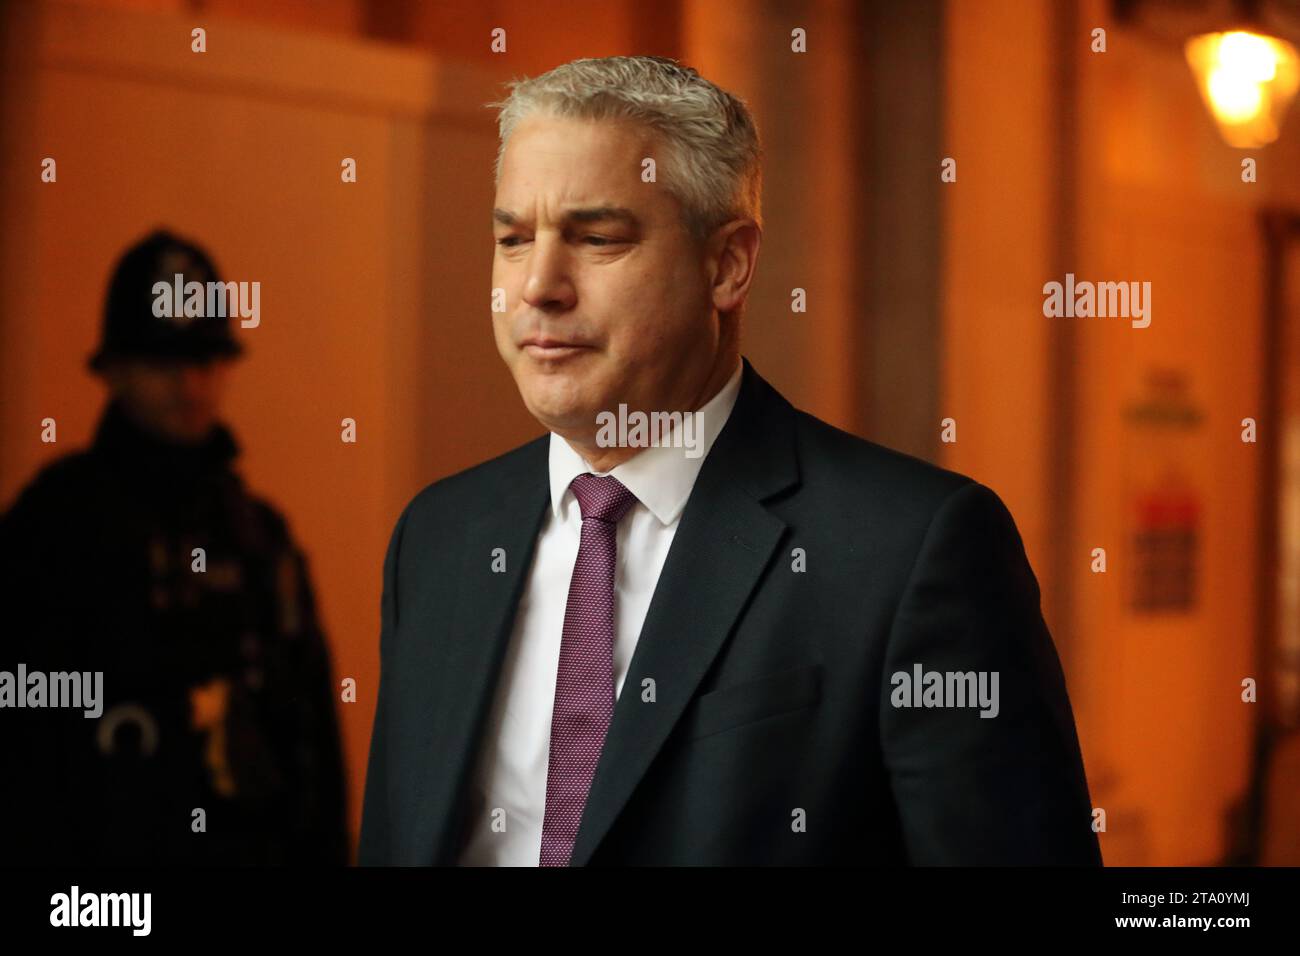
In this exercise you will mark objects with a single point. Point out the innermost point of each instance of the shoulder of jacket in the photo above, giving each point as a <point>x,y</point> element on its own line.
<point>66,477</point>
<point>478,482</point>
<point>829,453</point>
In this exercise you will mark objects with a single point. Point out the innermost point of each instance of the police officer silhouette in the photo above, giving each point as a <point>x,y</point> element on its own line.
<point>145,556</point>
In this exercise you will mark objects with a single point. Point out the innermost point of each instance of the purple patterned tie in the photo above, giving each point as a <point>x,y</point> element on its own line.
<point>584,685</point>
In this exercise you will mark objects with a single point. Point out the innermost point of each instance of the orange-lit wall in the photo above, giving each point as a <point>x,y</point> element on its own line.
<point>1152,194</point>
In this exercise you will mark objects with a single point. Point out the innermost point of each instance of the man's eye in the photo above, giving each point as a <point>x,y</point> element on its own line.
<point>508,240</point>
<point>600,240</point>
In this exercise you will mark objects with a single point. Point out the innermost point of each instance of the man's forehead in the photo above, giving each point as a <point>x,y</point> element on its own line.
<point>550,168</point>
<point>578,149</point>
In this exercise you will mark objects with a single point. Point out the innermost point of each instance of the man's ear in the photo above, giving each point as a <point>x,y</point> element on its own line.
<point>733,261</point>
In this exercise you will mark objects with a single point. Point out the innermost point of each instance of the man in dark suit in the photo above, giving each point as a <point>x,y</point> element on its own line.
<point>740,637</point>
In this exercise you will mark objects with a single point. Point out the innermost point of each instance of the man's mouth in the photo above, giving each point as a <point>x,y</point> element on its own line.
<point>546,348</point>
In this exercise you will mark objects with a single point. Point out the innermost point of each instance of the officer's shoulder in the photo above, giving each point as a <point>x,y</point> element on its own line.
<point>57,483</point>
<point>269,519</point>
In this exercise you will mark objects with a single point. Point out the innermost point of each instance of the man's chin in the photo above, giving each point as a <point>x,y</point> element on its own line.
<point>557,400</point>
<point>558,411</point>
<point>564,421</point>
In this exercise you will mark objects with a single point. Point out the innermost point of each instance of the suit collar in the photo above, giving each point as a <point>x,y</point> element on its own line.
<point>660,476</point>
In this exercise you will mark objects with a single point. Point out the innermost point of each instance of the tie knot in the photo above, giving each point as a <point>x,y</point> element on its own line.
<point>602,497</point>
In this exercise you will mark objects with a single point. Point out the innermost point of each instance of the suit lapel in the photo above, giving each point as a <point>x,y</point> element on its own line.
<point>724,541</point>
<point>459,670</point>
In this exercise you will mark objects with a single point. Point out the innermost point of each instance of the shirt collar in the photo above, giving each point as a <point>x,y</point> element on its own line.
<point>660,476</point>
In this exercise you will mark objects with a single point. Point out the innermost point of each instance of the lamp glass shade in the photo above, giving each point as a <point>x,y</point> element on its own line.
<point>1247,80</point>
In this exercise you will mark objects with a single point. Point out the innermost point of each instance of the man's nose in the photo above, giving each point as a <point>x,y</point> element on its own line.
<point>549,285</point>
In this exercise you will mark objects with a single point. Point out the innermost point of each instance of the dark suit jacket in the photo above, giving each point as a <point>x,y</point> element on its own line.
<point>772,738</point>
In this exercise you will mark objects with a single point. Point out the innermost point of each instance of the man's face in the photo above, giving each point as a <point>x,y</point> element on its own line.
<point>175,400</point>
<point>606,292</point>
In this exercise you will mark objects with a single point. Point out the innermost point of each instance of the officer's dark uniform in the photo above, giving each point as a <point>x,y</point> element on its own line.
<point>217,688</point>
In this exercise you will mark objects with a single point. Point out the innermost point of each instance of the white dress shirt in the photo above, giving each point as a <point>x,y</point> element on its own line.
<point>510,773</point>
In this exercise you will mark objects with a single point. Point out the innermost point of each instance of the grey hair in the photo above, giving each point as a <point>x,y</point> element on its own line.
<point>714,167</point>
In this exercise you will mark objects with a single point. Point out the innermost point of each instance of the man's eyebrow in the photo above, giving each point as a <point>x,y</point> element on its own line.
<point>603,214</point>
<point>586,215</point>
